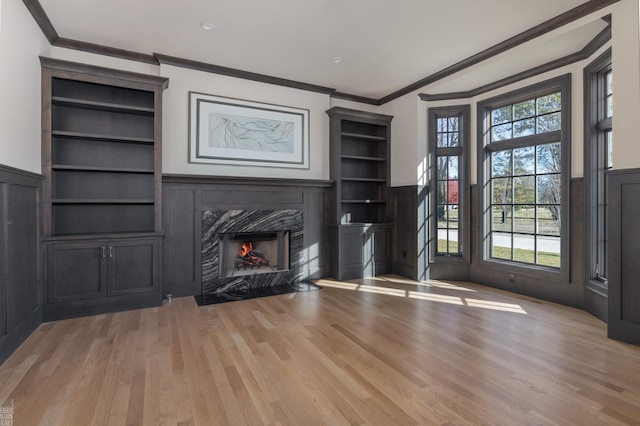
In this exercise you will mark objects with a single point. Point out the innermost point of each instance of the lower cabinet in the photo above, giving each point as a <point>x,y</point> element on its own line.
<point>362,250</point>
<point>88,277</point>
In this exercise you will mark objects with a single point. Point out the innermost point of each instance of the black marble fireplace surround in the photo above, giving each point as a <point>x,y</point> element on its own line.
<point>217,224</point>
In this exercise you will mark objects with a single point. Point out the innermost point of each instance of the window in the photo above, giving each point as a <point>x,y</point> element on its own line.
<point>523,168</point>
<point>598,159</point>
<point>448,135</point>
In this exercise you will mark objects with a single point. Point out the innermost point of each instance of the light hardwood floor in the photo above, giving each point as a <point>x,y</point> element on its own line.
<point>385,351</point>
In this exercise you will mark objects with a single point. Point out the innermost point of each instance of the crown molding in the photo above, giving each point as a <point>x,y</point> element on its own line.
<point>247,75</point>
<point>598,41</point>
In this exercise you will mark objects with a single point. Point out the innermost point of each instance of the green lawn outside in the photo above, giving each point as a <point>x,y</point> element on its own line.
<point>520,255</point>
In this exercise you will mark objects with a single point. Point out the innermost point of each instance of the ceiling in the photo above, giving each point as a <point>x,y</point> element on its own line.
<point>384,45</point>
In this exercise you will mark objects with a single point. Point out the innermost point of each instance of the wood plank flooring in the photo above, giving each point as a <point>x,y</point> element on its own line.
<point>383,351</point>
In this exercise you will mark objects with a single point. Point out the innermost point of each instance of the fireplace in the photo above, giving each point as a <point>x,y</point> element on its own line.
<point>249,253</point>
<point>273,253</point>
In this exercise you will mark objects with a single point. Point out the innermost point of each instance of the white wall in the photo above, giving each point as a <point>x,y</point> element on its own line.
<point>626,84</point>
<point>21,42</point>
<point>176,122</point>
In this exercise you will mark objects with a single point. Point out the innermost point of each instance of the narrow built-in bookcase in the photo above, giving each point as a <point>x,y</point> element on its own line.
<point>359,201</point>
<point>101,157</point>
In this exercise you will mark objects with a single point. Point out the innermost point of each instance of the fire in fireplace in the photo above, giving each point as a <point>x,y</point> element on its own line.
<point>253,253</point>
<point>250,258</point>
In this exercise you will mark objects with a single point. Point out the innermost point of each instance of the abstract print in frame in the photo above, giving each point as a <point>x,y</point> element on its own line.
<point>239,132</point>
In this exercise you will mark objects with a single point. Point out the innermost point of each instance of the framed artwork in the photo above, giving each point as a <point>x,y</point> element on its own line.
<point>245,133</point>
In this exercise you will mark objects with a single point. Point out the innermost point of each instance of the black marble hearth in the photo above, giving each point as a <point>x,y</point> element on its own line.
<point>216,224</point>
<point>252,293</point>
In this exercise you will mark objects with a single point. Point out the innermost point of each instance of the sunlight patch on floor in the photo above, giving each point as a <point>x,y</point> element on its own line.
<point>425,283</point>
<point>379,288</point>
<point>452,300</point>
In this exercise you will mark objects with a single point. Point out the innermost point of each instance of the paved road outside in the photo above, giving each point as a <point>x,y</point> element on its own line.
<point>546,244</point>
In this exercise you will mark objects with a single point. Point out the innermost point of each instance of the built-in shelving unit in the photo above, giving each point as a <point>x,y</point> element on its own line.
<point>101,154</point>
<point>359,201</point>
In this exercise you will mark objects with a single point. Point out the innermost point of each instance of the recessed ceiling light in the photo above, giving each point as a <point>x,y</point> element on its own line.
<point>207,26</point>
<point>337,59</point>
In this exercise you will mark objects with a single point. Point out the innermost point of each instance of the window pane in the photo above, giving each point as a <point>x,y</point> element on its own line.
<point>443,216</point>
<point>454,139</point>
<point>524,109</point>
<point>609,137</point>
<point>549,158</point>
<point>524,161</point>
<point>441,191</point>
<point>524,190</point>
<point>609,93</point>
<point>453,124</point>
<point>549,189</point>
<point>548,251</point>
<point>524,250</point>
<point>501,218</point>
<point>501,115</point>
<point>453,220</point>
<point>549,103</point>
<point>524,219</point>
<point>549,122</point>
<point>524,127</point>
<point>501,191</point>
<point>452,192</point>
<point>453,168</point>
<point>501,132</point>
<point>549,220</point>
<point>441,164</point>
<point>501,245</point>
<point>501,163</point>
<point>441,140</point>
<point>442,125</point>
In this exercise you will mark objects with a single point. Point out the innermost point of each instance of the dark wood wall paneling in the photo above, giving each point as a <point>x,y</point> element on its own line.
<point>623,189</point>
<point>20,284</point>
<point>185,197</point>
<point>411,218</point>
<point>405,202</point>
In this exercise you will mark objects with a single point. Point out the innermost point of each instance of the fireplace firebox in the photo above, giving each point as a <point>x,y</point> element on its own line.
<point>249,253</point>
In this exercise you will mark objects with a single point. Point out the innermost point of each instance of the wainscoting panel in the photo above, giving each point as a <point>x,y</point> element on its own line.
<point>186,197</point>
<point>182,240</point>
<point>404,213</point>
<point>20,285</point>
<point>624,255</point>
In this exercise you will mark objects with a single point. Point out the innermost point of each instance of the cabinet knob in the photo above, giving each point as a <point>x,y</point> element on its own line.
<point>103,252</point>
<point>110,251</point>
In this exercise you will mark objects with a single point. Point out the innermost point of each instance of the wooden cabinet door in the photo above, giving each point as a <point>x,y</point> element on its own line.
<point>133,266</point>
<point>76,271</point>
<point>350,252</point>
<point>380,244</point>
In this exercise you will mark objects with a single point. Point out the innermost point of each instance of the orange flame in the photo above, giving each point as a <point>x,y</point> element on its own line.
<point>246,248</point>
